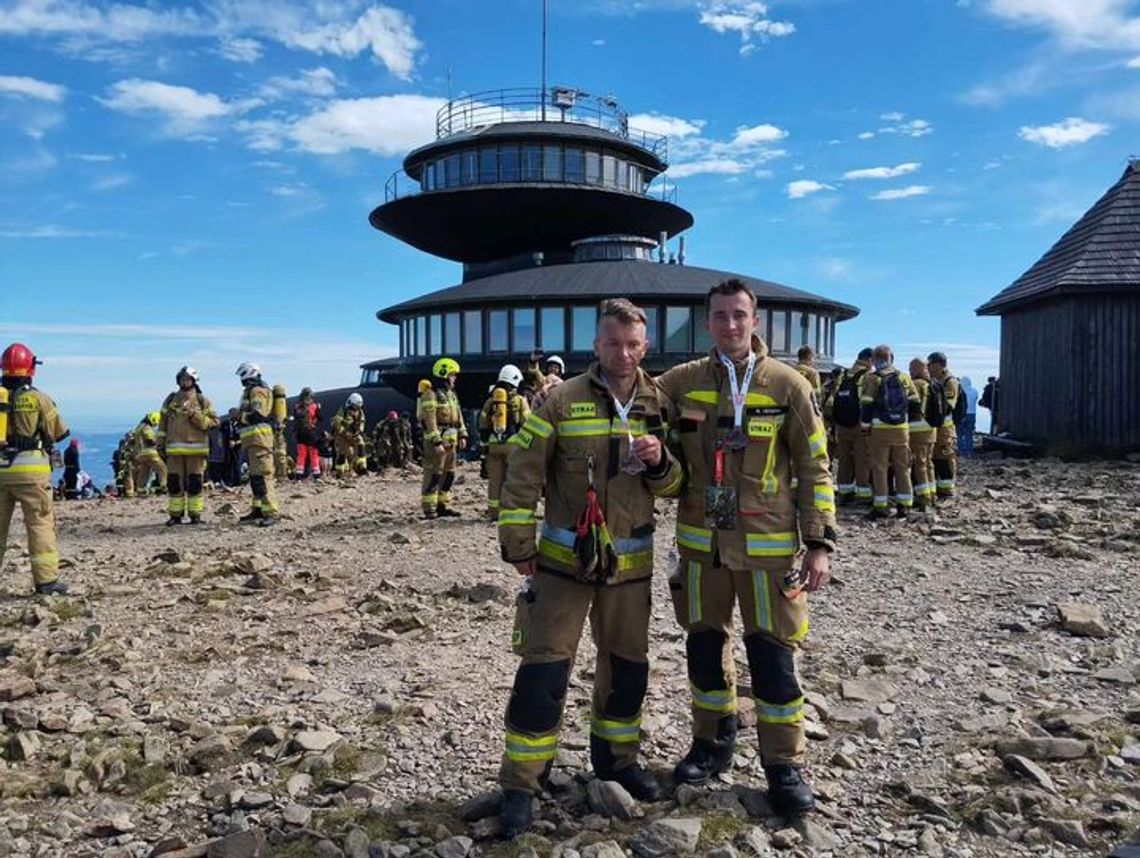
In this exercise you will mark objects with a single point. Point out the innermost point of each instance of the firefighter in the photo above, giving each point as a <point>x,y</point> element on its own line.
<point>407,440</point>
<point>502,416</point>
<point>30,427</point>
<point>543,381</point>
<point>854,473</point>
<point>184,438</point>
<point>417,425</point>
<point>922,439</point>
<point>306,428</point>
<point>596,449</point>
<point>148,459</point>
<point>743,423</point>
<point>390,445</point>
<point>348,437</point>
<point>444,432</point>
<point>946,439</point>
<point>805,366</point>
<point>889,402</point>
<point>255,417</point>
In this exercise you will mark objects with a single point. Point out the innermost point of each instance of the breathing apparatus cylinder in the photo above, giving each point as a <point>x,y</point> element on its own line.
<point>280,412</point>
<point>499,411</point>
<point>4,409</point>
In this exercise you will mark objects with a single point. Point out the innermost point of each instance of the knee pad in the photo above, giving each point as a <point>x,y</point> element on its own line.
<point>628,681</point>
<point>173,484</point>
<point>433,485</point>
<point>773,670</point>
<point>705,651</point>
<point>538,695</point>
<point>448,479</point>
<point>258,486</point>
<point>194,484</point>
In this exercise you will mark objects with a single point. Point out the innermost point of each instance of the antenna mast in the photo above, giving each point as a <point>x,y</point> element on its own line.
<point>543,93</point>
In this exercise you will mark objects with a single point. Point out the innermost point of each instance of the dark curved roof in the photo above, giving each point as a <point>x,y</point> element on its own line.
<point>534,132</point>
<point>1100,252</point>
<point>593,281</point>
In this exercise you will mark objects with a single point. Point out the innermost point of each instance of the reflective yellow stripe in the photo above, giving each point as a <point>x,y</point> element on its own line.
<point>817,441</point>
<point>800,633</point>
<point>44,468</point>
<point>674,487</point>
<point>189,448</point>
<point>714,701</point>
<point>762,597</point>
<point>710,397</point>
<point>696,538</point>
<point>785,713</point>
<point>516,516</point>
<point>584,427</point>
<point>694,582</point>
<point>634,560</point>
<point>538,426</point>
<point>525,749</point>
<point>556,552</point>
<point>49,559</point>
<point>769,485</point>
<point>261,430</point>
<point>618,732</point>
<point>824,498</point>
<point>770,544</point>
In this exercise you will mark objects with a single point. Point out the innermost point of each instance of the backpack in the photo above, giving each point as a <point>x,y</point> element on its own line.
<point>936,407</point>
<point>846,408</point>
<point>961,407</point>
<point>893,402</point>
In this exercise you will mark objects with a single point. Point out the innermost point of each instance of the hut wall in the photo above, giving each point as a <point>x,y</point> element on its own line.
<point>1070,373</point>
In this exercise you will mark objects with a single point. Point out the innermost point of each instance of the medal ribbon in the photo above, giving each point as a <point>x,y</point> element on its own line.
<point>739,390</point>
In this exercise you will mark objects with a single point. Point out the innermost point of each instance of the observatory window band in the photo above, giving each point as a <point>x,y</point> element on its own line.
<point>583,327</point>
<point>451,339</point>
<point>678,329</point>
<point>552,322</point>
<point>522,329</point>
<point>472,332</point>
<point>497,331</point>
<point>489,165</point>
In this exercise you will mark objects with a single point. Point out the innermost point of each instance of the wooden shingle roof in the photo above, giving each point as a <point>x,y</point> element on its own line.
<point>1101,252</point>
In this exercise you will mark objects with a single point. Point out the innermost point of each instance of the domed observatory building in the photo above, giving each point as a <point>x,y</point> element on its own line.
<point>545,199</point>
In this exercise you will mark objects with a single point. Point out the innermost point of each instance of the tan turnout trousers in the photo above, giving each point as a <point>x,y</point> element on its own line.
<point>34,499</point>
<point>890,456</point>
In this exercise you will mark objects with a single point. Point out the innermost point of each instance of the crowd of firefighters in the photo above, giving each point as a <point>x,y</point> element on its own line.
<point>745,442</point>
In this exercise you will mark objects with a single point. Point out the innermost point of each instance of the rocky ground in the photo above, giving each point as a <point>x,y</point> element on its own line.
<point>335,686</point>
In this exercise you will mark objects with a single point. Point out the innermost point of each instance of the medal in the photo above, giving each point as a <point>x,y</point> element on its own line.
<point>736,439</point>
<point>631,464</point>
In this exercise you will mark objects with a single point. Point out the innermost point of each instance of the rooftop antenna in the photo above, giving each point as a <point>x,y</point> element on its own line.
<point>543,93</point>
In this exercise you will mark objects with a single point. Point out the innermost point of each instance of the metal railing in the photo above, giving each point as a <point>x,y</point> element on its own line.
<point>528,104</point>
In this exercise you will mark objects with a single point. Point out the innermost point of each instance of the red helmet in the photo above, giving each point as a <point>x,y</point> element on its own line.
<point>392,415</point>
<point>18,361</point>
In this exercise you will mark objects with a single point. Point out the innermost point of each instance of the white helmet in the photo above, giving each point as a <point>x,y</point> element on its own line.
<point>510,374</point>
<point>556,359</point>
<point>187,370</point>
<point>248,371</point>
<point>355,400</point>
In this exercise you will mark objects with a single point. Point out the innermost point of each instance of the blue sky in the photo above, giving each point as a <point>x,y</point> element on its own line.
<point>190,182</point>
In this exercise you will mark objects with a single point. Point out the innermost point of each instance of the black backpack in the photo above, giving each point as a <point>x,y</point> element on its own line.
<point>936,407</point>
<point>893,401</point>
<point>960,407</point>
<point>846,409</point>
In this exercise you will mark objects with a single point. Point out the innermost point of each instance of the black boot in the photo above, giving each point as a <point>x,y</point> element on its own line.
<point>52,588</point>
<point>195,519</point>
<point>636,779</point>
<point>707,759</point>
<point>516,813</point>
<point>173,520</point>
<point>788,792</point>
<point>447,512</point>
<point>253,515</point>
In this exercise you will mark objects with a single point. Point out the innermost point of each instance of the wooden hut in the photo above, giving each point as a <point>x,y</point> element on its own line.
<point>1070,333</point>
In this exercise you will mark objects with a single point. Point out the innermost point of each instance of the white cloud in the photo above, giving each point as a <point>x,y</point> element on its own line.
<point>1030,79</point>
<point>902,193</point>
<point>239,50</point>
<point>29,87</point>
<point>92,157</point>
<point>749,19</point>
<point>289,190</point>
<point>52,231</point>
<point>185,109</point>
<point>757,135</point>
<point>803,187</point>
<point>1093,24</point>
<point>386,125</point>
<point>910,128</point>
<point>1133,63</point>
<point>892,116</point>
<point>319,26</point>
<point>598,43</point>
<point>866,135</point>
<point>669,126</point>
<point>1068,132</point>
<point>110,183</point>
<point>882,172</point>
<point>319,82</point>
<point>718,166</point>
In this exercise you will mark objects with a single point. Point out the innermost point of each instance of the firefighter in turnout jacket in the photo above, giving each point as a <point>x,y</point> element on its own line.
<point>946,439</point>
<point>805,366</point>
<point>595,448</point>
<point>444,433</point>
<point>744,424</point>
<point>348,437</point>
<point>922,439</point>
<point>184,437</point>
<point>148,459</point>
<point>889,403</point>
<point>30,427</point>
<point>255,419</point>
<point>851,446</point>
<point>502,416</point>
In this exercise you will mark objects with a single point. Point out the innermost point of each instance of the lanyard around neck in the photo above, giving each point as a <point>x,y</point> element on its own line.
<point>739,390</point>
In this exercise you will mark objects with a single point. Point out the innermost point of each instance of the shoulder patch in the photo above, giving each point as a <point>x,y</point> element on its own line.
<point>583,409</point>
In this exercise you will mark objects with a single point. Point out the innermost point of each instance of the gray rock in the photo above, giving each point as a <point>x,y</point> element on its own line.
<point>256,800</point>
<point>604,849</point>
<point>240,844</point>
<point>454,847</point>
<point>1119,675</point>
<point>297,814</point>
<point>755,802</point>
<point>725,850</point>
<point>816,835</point>
<point>108,819</point>
<point>487,828</point>
<point>755,842</point>
<point>928,843</point>
<point>1130,754</point>
<point>669,836</point>
<point>316,741</point>
<point>1044,748</point>
<point>15,687</point>
<point>212,753</point>
<point>480,806</point>
<point>1067,831</point>
<point>299,785</point>
<point>1084,620</point>
<point>998,696</point>
<point>264,735</point>
<point>867,690</point>
<point>982,723</point>
<point>23,746</point>
<point>1018,765</point>
<point>610,799</point>
<point>21,719</point>
<point>154,750</point>
<point>786,838</point>
<point>356,843</point>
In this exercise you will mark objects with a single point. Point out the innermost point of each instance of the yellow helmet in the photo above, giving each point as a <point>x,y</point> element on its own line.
<point>444,367</point>
<point>153,418</point>
<point>424,385</point>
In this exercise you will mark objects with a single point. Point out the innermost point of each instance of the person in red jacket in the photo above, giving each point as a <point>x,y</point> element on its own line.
<point>306,423</point>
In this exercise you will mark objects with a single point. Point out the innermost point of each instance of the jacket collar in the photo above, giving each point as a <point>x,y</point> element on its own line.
<point>643,386</point>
